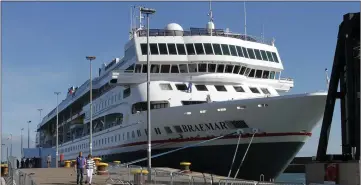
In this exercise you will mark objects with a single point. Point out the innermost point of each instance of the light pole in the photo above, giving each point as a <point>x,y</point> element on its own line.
<point>11,144</point>
<point>57,125</point>
<point>3,145</point>
<point>29,134</point>
<point>90,58</point>
<point>21,142</point>
<point>148,11</point>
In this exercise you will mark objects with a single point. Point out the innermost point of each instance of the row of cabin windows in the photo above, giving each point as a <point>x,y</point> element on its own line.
<point>142,106</point>
<point>203,68</point>
<point>208,49</point>
<point>221,88</point>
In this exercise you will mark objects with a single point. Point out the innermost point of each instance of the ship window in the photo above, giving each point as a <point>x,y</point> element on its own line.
<point>143,47</point>
<point>220,68</point>
<point>174,69</point>
<point>217,49</point>
<point>225,49</point>
<point>248,70</point>
<point>275,57</point>
<point>272,75</point>
<point>192,102</point>
<point>239,124</point>
<point>168,130</point>
<point>269,55</point>
<point>254,90</point>
<point>264,56</point>
<point>183,68</point>
<point>236,69</point>
<point>171,48</point>
<point>154,68</point>
<point>258,54</point>
<point>243,69</point>
<point>192,68</point>
<point>201,88</point>
<point>245,52</point>
<point>138,68</point>
<point>163,49</point>
<point>208,48</point>
<point>265,91</point>
<point>165,87</point>
<point>145,68</point>
<point>181,49</point>
<point>233,50</point>
<point>265,74</point>
<point>239,50</point>
<point>199,48</point>
<point>126,92</point>
<point>164,68</point>
<point>153,49</point>
<point>229,68</point>
<point>251,74</point>
<point>238,88</point>
<point>181,87</point>
<point>130,69</point>
<point>212,68</point>
<point>190,49</point>
<point>202,68</point>
<point>251,53</point>
<point>220,88</point>
<point>258,73</point>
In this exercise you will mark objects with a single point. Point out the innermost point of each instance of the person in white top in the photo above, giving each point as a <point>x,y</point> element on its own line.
<point>90,165</point>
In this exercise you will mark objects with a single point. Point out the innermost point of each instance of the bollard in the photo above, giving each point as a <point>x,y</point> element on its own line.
<point>102,169</point>
<point>116,162</point>
<point>4,170</point>
<point>139,176</point>
<point>67,164</point>
<point>185,167</point>
<point>97,160</point>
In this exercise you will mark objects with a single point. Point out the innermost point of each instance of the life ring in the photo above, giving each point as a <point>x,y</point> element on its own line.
<point>331,172</point>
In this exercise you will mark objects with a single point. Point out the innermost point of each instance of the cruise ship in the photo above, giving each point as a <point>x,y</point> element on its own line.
<point>204,83</point>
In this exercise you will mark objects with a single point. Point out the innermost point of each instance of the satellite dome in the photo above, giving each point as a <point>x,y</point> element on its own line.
<point>174,27</point>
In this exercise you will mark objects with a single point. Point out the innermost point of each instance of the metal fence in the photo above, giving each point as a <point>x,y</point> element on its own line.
<point>15,176</point>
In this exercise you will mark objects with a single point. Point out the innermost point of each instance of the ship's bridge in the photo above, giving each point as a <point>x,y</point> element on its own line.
<point>173,44</point>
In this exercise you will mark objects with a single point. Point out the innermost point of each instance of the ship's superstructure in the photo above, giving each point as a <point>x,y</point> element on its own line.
<point>205,82</point>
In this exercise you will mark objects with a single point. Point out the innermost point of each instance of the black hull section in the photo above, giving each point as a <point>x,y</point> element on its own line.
<point>269,159</point>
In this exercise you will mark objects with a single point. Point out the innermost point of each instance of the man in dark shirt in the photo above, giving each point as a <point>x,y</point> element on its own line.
<point>79,166</point>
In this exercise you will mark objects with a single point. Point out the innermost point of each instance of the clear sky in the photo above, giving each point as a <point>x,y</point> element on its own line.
<point>44,45</point>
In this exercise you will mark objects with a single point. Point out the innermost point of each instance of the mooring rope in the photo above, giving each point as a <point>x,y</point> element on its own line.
<point>234,156</point>
<point>244,156</point>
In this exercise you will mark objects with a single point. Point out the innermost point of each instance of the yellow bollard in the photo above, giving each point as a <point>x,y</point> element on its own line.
<point>116,162</point>
<point>102,169</point>
<point>67,164</point>
<point>139,176</point>
<point>97,160</point>
<point>185,167</point>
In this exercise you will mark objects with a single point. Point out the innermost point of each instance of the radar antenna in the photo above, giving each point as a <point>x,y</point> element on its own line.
<point>210,25</point>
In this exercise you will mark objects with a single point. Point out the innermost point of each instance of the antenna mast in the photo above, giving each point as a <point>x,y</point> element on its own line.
<point>245,19</point>
<point>210,14</point>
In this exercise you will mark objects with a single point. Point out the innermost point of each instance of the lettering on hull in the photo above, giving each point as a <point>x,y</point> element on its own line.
<point>203,127</point>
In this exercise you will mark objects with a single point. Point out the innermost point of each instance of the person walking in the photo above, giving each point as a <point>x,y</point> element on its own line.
<point>79,166</point>
<point>48,160</point>
<point>90,165</point>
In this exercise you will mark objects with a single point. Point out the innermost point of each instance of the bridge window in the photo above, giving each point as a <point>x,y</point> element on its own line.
<point>265,91</point>
<point>190,49</point>
<point>126,92</point>
<point>258,54</point>
<point>138,68</point>
<point>208,48</point>
<point>248,70</point>
<point>217,49</point>
<point>181,87</point>
<point>153,49</point>
<point>192,102</point>
<point>236,69</point>
<point>202,68</point>
<point>243,69</point>
<point>258,73</point>
<point>245,52</point>
<point>174,69</point>
<point>181,49</point>
<point>225,49</point>
<point>265,74</point>
<point>199,48</point>
<point>192,68</point>
<point>272,75</point>
<point>233,50</point>
<point>145,68</point>
<point>163,49</point>
<point>254,90</point>
<point>251,53</point>
<point>166,87</point>
<point>229,69</point>
<point>275,57</point>
<point>239,51</point>
<point>130,69</point>
<point>154,68</point>
<point>172,49</point>
<point>212,68</point>
<point>269,56</point>
<point>220,88</point>
<point>183,68</point>
<point>220,68</point>
<point>164,68</point>
<point>201,87</point>
<point>238,88</point>
<point>251,74</point>
<point>264,56</point>
<point>143,47</point>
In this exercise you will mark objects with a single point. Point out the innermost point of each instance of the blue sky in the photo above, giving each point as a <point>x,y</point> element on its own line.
<point>44,45</point>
